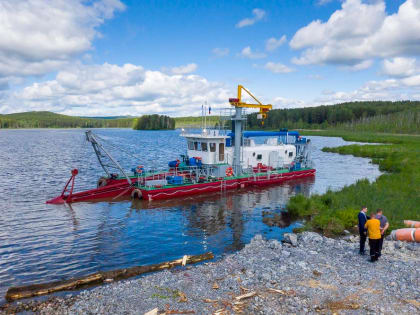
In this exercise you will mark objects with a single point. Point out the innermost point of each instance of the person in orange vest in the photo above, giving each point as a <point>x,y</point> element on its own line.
<point>373,226</point>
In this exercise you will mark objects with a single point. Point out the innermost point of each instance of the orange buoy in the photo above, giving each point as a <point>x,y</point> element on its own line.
<point>229,172</point>
<point>407,235</point>
<point>412,224</point>
<point>417,235</point>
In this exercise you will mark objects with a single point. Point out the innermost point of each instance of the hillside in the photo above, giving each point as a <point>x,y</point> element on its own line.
<point>375,116</point>
<point>44,119</point>
<point>383,116</point>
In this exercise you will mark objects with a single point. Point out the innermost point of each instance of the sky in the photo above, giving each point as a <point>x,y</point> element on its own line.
<point>133,57</point>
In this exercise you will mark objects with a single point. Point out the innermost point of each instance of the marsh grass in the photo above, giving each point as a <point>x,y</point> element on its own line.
<point>397,191</point>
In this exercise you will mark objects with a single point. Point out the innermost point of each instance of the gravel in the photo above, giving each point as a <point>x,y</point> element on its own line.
<point>307,273</point>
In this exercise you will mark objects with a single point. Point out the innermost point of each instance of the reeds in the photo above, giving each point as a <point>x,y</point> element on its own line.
<point>397,191</point>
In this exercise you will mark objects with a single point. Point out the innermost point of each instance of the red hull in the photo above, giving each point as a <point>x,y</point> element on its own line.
<point>166,193</point>
<point>120,188</point>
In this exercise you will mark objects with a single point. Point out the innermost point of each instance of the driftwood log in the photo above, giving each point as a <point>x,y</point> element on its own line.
<point>15,293</point>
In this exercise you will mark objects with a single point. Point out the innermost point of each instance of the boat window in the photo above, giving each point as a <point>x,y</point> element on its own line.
<point>221,152</point>
<point>212,147</point>
<point>290,153</point>
<point>253,154</point>
<point>204,146</point>
<point>259,157</point>
<point>285,151</point>
<point>190,145</point>
<point>197,146</point>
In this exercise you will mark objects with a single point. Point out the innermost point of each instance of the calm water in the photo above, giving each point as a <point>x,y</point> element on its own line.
<point>40,242</point>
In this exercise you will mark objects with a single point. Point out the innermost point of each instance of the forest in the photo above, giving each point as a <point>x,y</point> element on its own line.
<point>44,119</point>
<point>378,116</point>
<point>154,122</point>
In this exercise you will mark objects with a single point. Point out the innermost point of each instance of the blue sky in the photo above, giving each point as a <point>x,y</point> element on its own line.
<point>111,57</point>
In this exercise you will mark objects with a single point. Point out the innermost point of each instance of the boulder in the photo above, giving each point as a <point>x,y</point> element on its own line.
<point>310,237</point>
<point>290,238</point>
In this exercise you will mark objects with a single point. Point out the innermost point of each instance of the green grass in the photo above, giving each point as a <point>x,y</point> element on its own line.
<point>397,191</point>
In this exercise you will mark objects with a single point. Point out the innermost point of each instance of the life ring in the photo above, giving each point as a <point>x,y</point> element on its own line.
<point>229,172</point>
<point>102,182</point>
<point>136,194</point>
<point>139,169</point>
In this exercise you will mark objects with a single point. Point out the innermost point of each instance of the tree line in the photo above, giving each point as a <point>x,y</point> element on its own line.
<point>324,117</point>
<point>45,119</point>
<point>154,122</point>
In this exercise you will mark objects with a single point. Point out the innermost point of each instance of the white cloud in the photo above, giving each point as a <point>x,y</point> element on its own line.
<point>399,67</point>
<point>189,68</point>
<point>272,43</point>
<point>258,14</point>
<point>413,81</point>
<point>117,90</point>
<point>359,66</point>
<point>220,52</point>
<point>282,102</point>
<point>248,53</point>
<point>359,32</point>
<point>390,90</point>
<point>277,67</point>
<point>38,36</point>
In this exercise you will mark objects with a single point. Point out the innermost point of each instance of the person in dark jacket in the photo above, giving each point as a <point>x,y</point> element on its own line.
<point>384,227</point>
<point>362,229</point>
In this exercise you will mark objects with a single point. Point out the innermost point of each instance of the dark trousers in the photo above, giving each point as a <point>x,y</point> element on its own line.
<point>381,242</point>
<point>362,241</point>
<point>374,248</point>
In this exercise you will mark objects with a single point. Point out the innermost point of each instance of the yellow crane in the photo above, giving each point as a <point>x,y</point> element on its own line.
<point>237,102</point>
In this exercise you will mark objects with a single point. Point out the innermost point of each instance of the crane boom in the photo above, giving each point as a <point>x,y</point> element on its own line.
<point>237,102</point>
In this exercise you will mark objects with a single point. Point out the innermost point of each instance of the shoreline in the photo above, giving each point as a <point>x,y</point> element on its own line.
<point>306,273</point>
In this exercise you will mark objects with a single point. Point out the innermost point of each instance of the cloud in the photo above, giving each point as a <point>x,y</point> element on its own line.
<point>359,66</point>
<point>220,52</point>
<point>258,15</point>
<point>359,32</point>
<point>189,68</point>
<point>248,53</point>
<point>272,43</point>
<point>390,90</point>
<point>413,81</point>
<point>282,102</point>
<point>37,36</point>
<point>399,67</point>
<point>108,89</point>
<point>277,67</point>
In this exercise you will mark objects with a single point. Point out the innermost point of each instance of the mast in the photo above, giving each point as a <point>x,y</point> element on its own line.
<point>238,121</point>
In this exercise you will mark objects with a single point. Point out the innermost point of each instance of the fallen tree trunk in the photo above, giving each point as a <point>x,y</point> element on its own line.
<point>15,293</point>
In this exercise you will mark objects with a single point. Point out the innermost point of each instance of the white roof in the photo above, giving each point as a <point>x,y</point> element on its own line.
<point>208,134</point>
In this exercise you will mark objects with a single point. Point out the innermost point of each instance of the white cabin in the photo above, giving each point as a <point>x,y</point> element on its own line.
<point>211,147</point>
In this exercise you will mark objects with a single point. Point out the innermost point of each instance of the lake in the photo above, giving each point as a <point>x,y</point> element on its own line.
<point>40,242</point>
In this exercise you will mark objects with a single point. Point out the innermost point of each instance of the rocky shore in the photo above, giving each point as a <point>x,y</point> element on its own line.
<point>306,273</point>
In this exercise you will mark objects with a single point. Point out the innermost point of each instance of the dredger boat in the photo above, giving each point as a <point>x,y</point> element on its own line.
<point>215,160</point>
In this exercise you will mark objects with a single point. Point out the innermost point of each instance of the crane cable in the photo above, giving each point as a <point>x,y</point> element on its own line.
<point>118,148</point>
